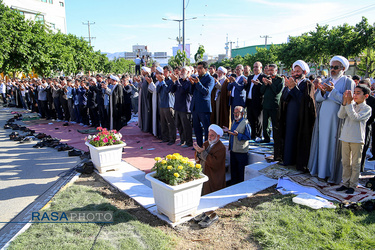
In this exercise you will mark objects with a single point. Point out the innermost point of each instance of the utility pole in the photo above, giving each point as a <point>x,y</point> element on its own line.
<point>230,43</point>
<point>183,28</point>
<point>265,37</point>
<point>88,25</point>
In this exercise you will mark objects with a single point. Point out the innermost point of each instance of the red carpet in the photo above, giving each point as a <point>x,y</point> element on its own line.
<point>137,152</point>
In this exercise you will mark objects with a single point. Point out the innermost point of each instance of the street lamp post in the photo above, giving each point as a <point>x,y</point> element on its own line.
<point>179,29</point>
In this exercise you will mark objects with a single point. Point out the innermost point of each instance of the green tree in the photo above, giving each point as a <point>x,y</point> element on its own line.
<point>199,55</point>
<point>179,60</point>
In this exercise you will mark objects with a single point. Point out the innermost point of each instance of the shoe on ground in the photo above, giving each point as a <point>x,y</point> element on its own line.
<point>203,215</point>
<point>342,188</point>
<point>179,144</point>
<point>74,152</point>
<point>170,143</point>
<point>350,191</point>
<point>209,220</point>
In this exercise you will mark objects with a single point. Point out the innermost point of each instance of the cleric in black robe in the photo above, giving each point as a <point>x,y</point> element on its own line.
<point>116,100</point>
<point>127,104</point>
<point>296,118</point>
<point>145,105</point>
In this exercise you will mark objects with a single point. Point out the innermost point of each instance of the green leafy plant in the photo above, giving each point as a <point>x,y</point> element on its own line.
<point>176,169</point>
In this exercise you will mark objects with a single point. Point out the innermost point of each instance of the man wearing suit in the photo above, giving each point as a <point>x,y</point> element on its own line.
<point>236,86</point>
<point>254,100</point>
<point>201,88</point>
<point>271,91</point>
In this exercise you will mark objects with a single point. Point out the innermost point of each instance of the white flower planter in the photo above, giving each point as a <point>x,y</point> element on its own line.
<point>107,157</point>
<point>177,201</point>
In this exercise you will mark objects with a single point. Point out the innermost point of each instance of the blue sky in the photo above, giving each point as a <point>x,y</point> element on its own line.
<point>119,24</point>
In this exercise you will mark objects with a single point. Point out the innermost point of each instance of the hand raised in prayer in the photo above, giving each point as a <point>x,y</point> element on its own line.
<point>231,79</point>
<point>244,80</point>
<point>160,77</point>
<point>148,79</point>
<point>193,80</point>
<point>104,86</point>
<point>329,87</point>
<point>290,82</point>
<point>174,77</point>
<point>349,96</point>
<point>267,81</point>
<point>197,148</point>
<point>322,89</point>
<point>256,82</point>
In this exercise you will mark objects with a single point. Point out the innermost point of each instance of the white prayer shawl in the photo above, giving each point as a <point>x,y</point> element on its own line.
<point>152,88</point>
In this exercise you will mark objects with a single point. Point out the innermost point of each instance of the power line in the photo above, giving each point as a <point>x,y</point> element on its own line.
<point>88,26</point>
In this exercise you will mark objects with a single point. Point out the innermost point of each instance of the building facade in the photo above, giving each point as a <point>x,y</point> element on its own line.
<point>51,12</point>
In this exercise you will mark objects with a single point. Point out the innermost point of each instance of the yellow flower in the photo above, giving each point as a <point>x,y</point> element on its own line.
<point>176,154</point>
<point>184,161</point>
<point>180,167</point>
<point>191,164</point>
<point>157,159</point>
<point>176,175</point>
<point>163,162</point>
<point>169,167</point>
<point>169,156</point>
<point>198,166</point>
<point>174,157</point>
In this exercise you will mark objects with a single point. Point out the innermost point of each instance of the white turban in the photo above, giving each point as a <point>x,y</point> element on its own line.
<point>303,66</point>
<point>216,129</point>
<point>115,78</point>
<point>222,69</point>
<point>342,60</point>
<point>160,69</point>
<point>187,68</point>
<point>146,69</point>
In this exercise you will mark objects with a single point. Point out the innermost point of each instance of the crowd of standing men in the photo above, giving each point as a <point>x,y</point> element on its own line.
<point>303,111</point>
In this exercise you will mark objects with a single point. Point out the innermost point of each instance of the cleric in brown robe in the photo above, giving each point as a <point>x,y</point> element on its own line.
<point>224,98</point>
<point>296,118</point>
<point>212,158</point>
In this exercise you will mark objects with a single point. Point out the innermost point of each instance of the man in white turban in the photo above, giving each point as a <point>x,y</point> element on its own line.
<point>325,154</point>
<point>212,158</point>
<point>297,117</point>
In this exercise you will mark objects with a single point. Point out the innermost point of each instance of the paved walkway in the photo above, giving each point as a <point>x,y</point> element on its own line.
<point>26,172</point>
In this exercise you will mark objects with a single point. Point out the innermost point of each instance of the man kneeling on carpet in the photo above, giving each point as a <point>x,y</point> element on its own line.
<point>212,158</point>
<point>353,135</point>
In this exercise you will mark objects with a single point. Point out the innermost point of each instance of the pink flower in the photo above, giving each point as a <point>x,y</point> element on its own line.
<point>97,138</point>
<point>105,140</point>
<point>99,128</point>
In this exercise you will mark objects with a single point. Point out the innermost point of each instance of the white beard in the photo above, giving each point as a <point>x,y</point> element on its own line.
<point>339,75</point>
<point>212,142</point>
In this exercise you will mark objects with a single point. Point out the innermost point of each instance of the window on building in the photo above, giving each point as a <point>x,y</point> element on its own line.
<point>62,4</point>
<point>39,17</point>
<point>50,1</point>
<point>44,1</point>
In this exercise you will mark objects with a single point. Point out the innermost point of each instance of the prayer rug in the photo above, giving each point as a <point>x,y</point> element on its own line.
<point>328,189</point>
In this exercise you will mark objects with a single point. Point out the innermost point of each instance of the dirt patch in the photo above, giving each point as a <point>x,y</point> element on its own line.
<point>230,232</point>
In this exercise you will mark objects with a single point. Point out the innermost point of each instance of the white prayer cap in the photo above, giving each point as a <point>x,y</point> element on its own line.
<point>303,66</point>
<point>216,129</point>
<point>160,69</point>
<point>342,60</point>
<point>45,84</point>
<point>222,69</point>
<point>146,69</point>
<point>115,78</point>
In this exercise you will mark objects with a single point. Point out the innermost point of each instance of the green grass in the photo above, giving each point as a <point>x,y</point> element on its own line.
<point>282,224</point>
<point>125,233</point>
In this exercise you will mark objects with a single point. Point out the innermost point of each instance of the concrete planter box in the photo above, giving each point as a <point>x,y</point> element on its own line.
<point>177,201</point>
<point>107,157</point>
